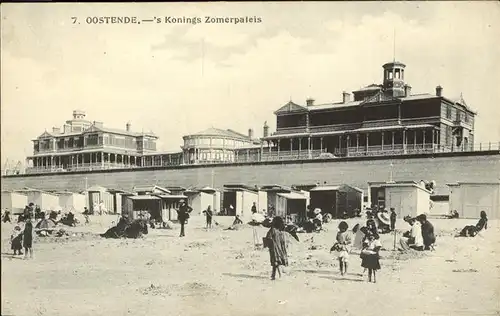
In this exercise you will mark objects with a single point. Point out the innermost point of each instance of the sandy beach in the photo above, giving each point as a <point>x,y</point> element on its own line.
<point>220,272</point>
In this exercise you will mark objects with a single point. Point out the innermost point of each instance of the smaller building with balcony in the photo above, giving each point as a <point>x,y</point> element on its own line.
<point>85,145</point>
<point>215,145</point>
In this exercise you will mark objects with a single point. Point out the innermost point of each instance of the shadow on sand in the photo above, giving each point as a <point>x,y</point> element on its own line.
<point>341,279</point>
<point>246,276</point>
<point>11,256</point>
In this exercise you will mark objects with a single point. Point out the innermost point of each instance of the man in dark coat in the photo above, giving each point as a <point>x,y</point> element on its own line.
<point>183,215</point>
<point>427,231</point>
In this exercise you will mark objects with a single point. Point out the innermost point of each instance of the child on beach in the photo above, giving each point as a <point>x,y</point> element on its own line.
<point>343,246</point>
<point>370,258</point>
<point>16,240</point>
<point>276,242</point>
<point>28,239</point>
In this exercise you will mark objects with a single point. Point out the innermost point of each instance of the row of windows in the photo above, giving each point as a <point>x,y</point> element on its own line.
<point>452,113</point>
<point>94,140</point>
<point>358,115</point>
<point>202,141</point>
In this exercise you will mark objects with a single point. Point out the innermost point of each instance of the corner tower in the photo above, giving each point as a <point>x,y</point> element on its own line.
<point>394,75</point>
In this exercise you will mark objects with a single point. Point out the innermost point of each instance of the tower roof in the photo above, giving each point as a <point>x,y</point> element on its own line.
<point>393,64</point>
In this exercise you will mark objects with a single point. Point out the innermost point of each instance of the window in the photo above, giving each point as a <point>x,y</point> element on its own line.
<point>448,111</point>
<point>466,117</point>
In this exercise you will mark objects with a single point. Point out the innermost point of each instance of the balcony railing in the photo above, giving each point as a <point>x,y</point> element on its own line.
<point>273,155</point>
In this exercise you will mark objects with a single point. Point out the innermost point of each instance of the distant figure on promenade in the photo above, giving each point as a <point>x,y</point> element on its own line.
<point>28,239</point>
<point>183,214</point>
<point>209,214</point>
<point>471,230</point>
<point>394,216</point>
<point>427,232</point>
<point>276,242</point>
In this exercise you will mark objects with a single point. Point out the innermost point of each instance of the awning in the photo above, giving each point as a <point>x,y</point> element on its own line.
<point>292,196</point>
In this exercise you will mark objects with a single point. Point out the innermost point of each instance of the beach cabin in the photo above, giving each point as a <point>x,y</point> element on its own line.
<point>440,205</point>
<point>241,198</point>
<point>14,202</point>
<point>408,198</point>
<point>200,199</point>
<point>291,204</point>
<point>70,201</point>
<point>338,200</point>
<point>118,199</point>
<point>469,199</point>
<point>170,204</point>
<point>134,204</point>
<point>271,197</point>
<point>97,194</point>
<point>45,200</point>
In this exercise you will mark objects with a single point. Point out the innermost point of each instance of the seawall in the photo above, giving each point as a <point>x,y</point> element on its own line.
<point>444,168</point>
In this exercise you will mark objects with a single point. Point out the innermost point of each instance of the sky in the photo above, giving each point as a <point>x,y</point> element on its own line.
<point>178,79</point>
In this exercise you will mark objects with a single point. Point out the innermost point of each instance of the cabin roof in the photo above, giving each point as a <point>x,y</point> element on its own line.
<point>150,188</point>
<point>292,196</point>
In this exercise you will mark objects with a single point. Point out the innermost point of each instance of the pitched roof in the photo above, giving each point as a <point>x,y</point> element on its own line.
<point>95,128</point>
<point>339,105</point>
<point>371,87</point>
<point>212,131</point>
<point>46,134</point>
<point>291,107</point>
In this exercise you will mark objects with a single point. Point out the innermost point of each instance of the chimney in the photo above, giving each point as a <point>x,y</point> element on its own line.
<point>310,102</point>
<point>346,97</point>
<point>250,133</point>
<point>67,128</point>
<point>439,91</point>
<point>407,90</point>
<point>266,129</point>
<point>128,126</point>
<point>56,130</point>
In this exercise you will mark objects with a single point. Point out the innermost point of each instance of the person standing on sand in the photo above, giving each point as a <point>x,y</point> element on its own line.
<point>394,216</point>
<point>28,238</point>
<point>276,242</point>
<point>343,246</point>
<point>183,215</point>
<point>16,240</point>
<point>209,214</point>
<point>370,258</point>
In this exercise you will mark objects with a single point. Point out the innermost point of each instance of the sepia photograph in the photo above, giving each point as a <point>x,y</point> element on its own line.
<point>250,158</point>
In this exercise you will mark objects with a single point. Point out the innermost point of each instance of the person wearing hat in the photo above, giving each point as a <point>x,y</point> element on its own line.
<point>384,222</point>
<point>183,215</point>
<point>413,238</point>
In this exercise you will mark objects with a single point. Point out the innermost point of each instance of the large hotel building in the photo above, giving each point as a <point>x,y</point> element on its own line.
<point>377,120</point>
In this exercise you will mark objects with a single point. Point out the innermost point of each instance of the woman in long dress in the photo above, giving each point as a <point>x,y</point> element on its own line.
<point>276,242</point>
